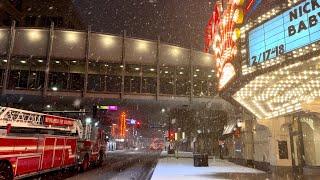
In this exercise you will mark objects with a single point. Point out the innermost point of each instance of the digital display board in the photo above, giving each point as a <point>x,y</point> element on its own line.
<point>295,28</point>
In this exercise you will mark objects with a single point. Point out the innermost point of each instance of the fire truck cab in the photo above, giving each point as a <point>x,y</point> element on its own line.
<point>92,150</point>
<point>33,143</point>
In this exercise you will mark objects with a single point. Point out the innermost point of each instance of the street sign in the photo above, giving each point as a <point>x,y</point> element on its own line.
<point>110,108</point>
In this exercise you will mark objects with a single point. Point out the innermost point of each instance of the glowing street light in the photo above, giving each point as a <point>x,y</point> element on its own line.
<point>54,88</point>
<point>88,120</point>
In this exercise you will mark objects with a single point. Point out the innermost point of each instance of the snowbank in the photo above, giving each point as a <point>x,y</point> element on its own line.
<point>183,169</point>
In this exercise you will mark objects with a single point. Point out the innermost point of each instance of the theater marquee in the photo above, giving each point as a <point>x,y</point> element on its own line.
<point>293,29</point>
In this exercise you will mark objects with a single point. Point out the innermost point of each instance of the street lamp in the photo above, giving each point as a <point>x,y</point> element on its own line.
<point>54,88</point>
<point>88,120</point>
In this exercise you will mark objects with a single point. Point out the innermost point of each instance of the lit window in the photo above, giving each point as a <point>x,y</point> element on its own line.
<point>71,37</point>
<point>142,46</point>
<point>107,41</point>
<point>34,35</point>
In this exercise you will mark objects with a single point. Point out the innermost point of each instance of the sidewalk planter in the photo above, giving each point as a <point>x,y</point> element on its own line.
<point>200,160</point>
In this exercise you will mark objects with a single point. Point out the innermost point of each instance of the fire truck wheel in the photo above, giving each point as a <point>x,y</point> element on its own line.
<point>5,171</point>
<point>85,163</point>
<point>100,159</point>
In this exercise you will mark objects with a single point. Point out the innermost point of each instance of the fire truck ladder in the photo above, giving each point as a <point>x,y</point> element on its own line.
<point>79,128</point>
<point>29,119</point>
<point>20,118</point>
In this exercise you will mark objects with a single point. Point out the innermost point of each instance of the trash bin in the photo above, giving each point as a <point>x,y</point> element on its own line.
<point>171,151</point>
<point>200,160</point>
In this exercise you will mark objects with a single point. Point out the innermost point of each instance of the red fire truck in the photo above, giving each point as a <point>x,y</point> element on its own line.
<point>33,143</point>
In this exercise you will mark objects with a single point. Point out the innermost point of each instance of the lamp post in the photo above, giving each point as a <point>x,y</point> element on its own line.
<point>88,128</point>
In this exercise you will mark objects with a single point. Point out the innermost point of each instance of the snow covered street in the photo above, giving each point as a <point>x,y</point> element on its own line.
<point>182,168</point>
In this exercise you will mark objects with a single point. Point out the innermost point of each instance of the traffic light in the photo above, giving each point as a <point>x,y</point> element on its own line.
<point>138,124</point>
<point>172,136</point>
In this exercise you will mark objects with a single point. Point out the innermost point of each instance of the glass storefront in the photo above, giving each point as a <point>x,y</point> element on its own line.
<point>305,142</point>
<point>310,126</point>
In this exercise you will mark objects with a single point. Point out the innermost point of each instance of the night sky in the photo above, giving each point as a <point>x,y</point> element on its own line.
<point>180,22</point>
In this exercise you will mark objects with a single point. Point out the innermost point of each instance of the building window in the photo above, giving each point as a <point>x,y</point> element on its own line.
<point>37,74</point>
<point>30,21</point>
<point>183,80</point>
<point>36,80</point>
<point>132,82</point>
<point>58,81</point>
<point>167,82</point>
<point>76,81</point>
<point>18,75</point>
<point>113,78</point>
<point>203,81</point>
<point>2,70</point>
<point>96,82</point>
<point>59,75</point>
<point>18,79</point>
<point>149,85</point>
<point>113,83</point>
<point>77,69</point>
<point>149,79</point>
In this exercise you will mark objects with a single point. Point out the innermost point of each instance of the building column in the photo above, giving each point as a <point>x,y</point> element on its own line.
<point>191,74</point>
<point>158,69</point>
<point>48,60</point>
<point>123,63</point>
<point>9,56</point>
<point>141,78</point>
<point>175,81</point>
<point>87,51</point>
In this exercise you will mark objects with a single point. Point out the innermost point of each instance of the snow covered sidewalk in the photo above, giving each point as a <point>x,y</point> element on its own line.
<point>183,168</point>
<point>181,154</point>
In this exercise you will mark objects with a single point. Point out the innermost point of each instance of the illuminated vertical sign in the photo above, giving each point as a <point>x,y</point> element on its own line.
<point>123,124</point>
<point>222,35</point>
<point>252,6</point>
